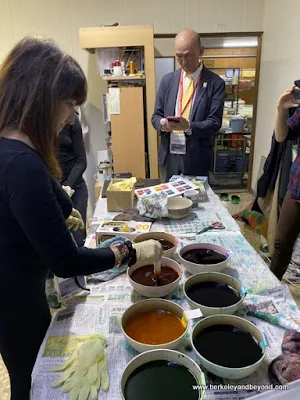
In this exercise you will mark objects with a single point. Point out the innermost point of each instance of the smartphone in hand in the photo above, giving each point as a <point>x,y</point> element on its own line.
<point>174,120</point>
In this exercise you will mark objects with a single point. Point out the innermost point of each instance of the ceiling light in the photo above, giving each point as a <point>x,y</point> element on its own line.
<point>252,43</point>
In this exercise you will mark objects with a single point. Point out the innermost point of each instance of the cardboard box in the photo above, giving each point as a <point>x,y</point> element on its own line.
<point>119,200</point>
<point>98,188</point>
<point>110,229</point>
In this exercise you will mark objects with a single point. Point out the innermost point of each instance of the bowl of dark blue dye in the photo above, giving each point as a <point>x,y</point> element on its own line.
<point>214,293</point>
<point>161,374</point>
<point>229,346</point>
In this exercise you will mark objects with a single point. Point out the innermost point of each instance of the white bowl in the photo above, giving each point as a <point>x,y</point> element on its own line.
<point>179,207</point>
<point>226,372</point>
<point>193,268</point>
<point>215,277</point>
<point>152,305</point>
<point>169,355</point>
<point>156,291</point>
<point>159,235</point>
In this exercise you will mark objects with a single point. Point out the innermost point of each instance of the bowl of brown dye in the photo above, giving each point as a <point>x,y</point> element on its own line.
<point>204,257</point>
<point>153,324</point>
<point>168,242</point>
<point>144,281</point>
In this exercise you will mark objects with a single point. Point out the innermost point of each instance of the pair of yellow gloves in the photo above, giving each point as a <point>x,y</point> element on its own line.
<point>86,371</point>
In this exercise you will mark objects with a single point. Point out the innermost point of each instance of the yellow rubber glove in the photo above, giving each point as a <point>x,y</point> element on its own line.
<point>85,371</point>
<point>75,220</point>
<point>148,252</point>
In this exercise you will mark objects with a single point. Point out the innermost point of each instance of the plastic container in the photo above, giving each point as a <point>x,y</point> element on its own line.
<point>237,124</point>
<point>223,161</point>
<point>239,163</point>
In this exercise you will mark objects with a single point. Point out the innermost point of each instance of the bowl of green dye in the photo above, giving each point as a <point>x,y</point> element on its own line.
<point>161,374</point>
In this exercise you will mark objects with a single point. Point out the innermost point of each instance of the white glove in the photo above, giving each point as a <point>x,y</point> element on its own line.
<point>85,371</point>
<point>68,190</point>
<point>75,220</point>
<point>148,252</point>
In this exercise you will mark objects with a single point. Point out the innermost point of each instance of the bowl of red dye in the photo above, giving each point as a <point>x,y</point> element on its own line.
<point>204,257</point>
<point>169,242</point>
<point>144,281</point>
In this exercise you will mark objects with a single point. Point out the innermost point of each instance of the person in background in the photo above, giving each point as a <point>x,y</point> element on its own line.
<point>288,227</point>
<point>72,161</point>
<point>196,95</point>
<point>39,87</point>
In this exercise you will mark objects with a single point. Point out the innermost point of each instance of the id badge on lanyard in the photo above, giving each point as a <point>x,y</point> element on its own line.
<point>178,140</point>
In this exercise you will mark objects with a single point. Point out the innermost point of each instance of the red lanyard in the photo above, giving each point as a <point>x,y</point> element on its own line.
<point>180,109</point>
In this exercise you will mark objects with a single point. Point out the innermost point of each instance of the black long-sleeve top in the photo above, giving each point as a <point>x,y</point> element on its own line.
<point>71,155</point>
<point>33,232</point>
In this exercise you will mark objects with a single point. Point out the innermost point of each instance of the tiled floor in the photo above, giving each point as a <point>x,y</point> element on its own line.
<point>252,238</point>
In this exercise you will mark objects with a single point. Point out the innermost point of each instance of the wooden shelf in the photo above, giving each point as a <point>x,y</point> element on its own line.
<point>122,78</point>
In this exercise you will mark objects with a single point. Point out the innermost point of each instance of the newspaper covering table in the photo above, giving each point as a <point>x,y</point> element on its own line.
<point>100,312</point>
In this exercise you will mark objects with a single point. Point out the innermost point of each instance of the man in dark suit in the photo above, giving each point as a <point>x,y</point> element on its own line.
<point>195,95</point>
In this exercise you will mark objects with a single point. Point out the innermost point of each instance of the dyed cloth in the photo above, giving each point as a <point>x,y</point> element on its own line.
<point>286,368</point>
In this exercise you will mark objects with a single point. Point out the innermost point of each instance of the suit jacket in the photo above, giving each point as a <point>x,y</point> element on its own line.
<point>205,119</point>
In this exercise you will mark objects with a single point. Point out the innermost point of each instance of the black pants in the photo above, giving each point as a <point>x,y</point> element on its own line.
<point>21,335</point>
<point>80,200</point>
<point>287,232</point>
<point>177,164</point>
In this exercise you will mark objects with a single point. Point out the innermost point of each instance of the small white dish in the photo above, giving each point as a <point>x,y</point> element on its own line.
<point>179,207</point>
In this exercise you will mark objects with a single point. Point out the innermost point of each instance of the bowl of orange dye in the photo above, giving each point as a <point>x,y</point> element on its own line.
<point>154,324</point>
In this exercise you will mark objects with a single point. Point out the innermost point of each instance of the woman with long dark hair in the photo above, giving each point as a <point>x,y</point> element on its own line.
<point>39,88</point>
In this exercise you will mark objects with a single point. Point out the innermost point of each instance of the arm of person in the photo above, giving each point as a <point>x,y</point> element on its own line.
<point>34,205</point>
<point>79,152</point>
<point>159,121</point>
<point>213,121</point>
<point>283,125</point>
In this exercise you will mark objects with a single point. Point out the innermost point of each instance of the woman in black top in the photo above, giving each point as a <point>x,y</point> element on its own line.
<point>39,87</point>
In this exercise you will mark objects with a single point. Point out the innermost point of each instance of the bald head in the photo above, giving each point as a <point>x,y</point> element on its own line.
<point>188,49</point>
<point>188,37</point>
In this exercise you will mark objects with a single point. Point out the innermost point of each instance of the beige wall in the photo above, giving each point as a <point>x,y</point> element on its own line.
<point>61,19</point>
<point>280,66</point>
